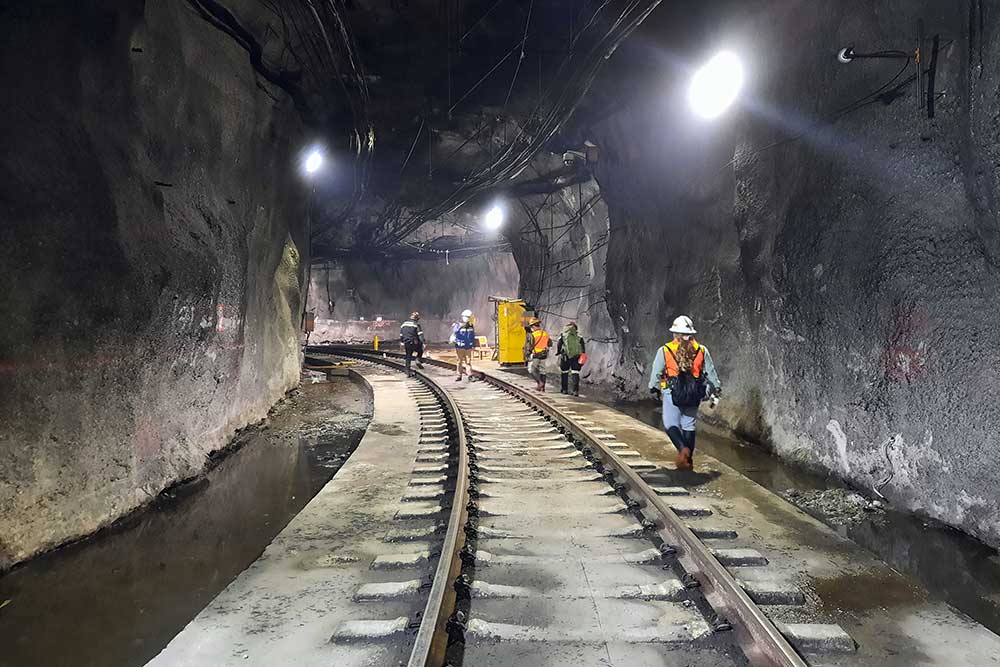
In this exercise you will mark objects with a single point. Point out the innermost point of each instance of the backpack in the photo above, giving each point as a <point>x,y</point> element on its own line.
<point>571,346</point>
<point>686,391</point>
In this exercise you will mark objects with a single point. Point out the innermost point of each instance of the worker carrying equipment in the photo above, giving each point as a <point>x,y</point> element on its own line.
<point>683,375</point>
<point>411,335</point>
<point>465,341</point>
<point>572,353</point>
<point>536,351</point>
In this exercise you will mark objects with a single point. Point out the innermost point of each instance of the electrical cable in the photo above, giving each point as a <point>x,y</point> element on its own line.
<point>517,70</point>
<point>540,128</point>
<point>840,113</point>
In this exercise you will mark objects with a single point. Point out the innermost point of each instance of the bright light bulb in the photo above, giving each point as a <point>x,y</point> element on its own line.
<point>716,85</point>
<point>494,218</point>
<point>314,161</point>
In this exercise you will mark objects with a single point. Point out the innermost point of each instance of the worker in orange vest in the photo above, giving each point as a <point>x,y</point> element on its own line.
<point>683,375</point>
<point>536,351</point>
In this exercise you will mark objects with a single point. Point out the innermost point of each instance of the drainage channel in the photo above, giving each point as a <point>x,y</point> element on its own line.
<point>562,551</point>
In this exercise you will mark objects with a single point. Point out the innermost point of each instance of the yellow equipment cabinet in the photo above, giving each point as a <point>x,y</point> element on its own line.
<point>510,331</point>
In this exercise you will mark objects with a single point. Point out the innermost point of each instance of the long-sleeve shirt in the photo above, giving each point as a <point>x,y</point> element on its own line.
<point>465,337</point>
<point>411,332</point>
<point>708,371</point>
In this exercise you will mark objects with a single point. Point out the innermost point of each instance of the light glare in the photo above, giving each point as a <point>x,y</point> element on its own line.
<point>494,218</point>
<point>314,161</point>
<point>716,85</point>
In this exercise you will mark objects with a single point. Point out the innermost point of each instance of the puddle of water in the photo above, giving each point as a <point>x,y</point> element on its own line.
<point>116,599</point>
<point>853,591</point>
<point>951,565</point>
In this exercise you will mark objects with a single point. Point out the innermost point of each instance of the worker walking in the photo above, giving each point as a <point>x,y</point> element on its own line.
<point>683,375</point>
<point>572,352</point>
<point>465,340</point>
<point>411,335</point>
<point>536,351</point>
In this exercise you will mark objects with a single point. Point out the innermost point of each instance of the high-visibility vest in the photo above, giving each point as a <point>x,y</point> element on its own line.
<point>670,368</point>
<point>541,341</point>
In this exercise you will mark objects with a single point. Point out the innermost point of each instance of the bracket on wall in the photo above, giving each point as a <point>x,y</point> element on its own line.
<point>925,76</point>
<point>931,94</point>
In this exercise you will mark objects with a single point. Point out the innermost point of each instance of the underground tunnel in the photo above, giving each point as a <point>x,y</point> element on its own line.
<point>344,332</point>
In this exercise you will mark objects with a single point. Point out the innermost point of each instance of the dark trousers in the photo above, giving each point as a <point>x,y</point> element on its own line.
<point>570,374</point>
<point>413,349</point>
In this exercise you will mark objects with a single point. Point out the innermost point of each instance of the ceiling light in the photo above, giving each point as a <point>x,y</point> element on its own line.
<point>494,217</point>
<point>313,161</point>
<point>716,85</point>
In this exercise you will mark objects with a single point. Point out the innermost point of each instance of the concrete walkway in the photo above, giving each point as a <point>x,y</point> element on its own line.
<point>284,609</point>
<point>287,606</point>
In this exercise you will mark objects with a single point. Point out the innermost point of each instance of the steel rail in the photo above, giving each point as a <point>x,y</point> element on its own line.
<point>760,640</point>
<point>756,635</point>
<point>431,642</point>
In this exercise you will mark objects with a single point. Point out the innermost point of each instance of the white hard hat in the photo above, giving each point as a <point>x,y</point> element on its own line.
<point>466,313</point>
<point>683,325</point>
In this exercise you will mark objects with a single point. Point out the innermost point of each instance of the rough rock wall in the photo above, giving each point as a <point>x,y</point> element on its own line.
<point>150,235</point>
<point>847,281</point>
<point>439,290</point>
<point>560,241</point>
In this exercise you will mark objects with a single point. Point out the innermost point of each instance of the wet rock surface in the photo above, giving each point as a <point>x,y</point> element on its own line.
<point>117,598</point>
<point>152,245</point>
<point>836,248</point>
<point>836,506</point>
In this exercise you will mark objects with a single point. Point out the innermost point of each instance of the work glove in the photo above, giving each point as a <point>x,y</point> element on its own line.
<point>583,358</point>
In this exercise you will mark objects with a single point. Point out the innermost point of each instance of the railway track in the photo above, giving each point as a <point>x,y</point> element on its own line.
<point>561,548</point>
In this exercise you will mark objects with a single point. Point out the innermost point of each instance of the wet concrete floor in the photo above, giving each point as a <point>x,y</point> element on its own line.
<point>951,565</point>
<point>117,598</point>
<point>954,567</point>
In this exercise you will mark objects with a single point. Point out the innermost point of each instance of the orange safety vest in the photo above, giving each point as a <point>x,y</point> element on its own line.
<point>670,368</point>
<point>541,341</point>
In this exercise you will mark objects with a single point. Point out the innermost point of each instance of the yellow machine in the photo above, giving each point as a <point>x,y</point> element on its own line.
<point>511,320</point>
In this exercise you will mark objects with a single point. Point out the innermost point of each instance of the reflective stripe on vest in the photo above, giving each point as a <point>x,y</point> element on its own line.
<point>541,341</point>
<point>670,368</point>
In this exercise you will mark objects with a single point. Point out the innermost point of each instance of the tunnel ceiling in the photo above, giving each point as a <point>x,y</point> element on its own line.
<point>425,105</point>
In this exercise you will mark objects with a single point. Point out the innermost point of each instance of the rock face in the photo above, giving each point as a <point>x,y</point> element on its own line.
<point>437,289</point>
<point>150,242</point>
<point>846,279</point>
<point>561,244</point>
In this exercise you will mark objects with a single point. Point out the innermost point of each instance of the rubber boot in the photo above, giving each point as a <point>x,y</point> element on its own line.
<point>689,436</point>
<point>541,386</point>
<point>685,459</point>
<point>677,437</point>
<point>574,384</point>
<point>563,381</point>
